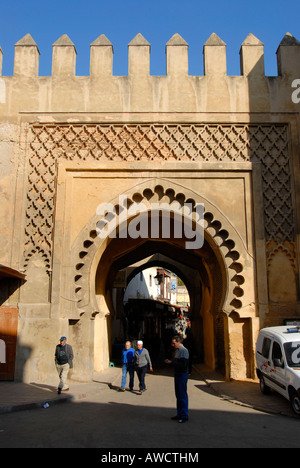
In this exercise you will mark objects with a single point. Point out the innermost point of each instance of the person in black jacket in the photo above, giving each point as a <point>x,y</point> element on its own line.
<point>181,366</point>
<point>64,362</point>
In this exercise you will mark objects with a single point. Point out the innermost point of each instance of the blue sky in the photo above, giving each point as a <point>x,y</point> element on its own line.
<point>156,20</point>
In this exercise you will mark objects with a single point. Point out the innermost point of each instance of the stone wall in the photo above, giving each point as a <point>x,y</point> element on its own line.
<point>231,140</point>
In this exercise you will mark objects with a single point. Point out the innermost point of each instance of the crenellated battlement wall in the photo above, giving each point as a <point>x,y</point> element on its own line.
<point>139,91</point>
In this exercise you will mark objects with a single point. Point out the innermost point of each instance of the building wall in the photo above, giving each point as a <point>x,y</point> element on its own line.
<point>69,143</point>
<point>142,287</point>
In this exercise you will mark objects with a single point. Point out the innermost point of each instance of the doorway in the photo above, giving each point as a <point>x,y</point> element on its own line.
<point>8,342</point>
<point>202,275</point>
<point>219,276</point>
<point>152,303</point>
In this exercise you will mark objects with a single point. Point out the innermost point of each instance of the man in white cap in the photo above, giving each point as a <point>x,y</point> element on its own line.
<point>64,362</point>
<point>142,361</point>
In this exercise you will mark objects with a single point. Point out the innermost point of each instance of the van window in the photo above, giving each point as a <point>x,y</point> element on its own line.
<point>266,347</point>
<point>276,352</point>
<point>292,352</point>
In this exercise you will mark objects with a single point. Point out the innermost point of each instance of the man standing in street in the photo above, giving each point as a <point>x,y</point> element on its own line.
<point>64,362</point>
<point>142,361</point>
<point>127,366</point>
<point>181,365</point>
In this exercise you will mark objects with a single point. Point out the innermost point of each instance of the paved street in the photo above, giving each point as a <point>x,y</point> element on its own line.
<point>110,419</point>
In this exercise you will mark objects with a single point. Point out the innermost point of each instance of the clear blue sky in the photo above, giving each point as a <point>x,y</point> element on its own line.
<point>156,20</point>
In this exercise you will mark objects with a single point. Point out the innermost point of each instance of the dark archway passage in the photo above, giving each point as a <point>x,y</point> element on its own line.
<point>200,270</point>
<point>154,306</point>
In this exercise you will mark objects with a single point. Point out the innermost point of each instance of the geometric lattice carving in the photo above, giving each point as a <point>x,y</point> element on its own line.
<point>48,143</point>
<point>270,146</point>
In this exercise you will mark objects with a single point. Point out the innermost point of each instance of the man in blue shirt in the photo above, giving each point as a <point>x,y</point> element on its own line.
<point>128,366</point>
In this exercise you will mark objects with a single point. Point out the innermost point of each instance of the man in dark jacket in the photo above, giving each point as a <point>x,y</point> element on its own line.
<point>181,365</point>
<point>64,362</point>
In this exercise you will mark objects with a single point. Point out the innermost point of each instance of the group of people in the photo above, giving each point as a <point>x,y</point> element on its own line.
<point>139,360</point>
<point>136,361</point>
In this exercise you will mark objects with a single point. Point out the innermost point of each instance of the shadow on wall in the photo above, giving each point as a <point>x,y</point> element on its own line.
<point>23,354</point>
<point>269,147</point>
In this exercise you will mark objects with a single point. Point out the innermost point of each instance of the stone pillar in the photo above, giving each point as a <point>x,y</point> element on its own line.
<point>26,57</point>
<point>177,56</point>
<point>288,57</point>
<point>139,57</point>
<point>215,56</point>
<point>101,60</point>
<point>252,57</point>
<point>64,57</point>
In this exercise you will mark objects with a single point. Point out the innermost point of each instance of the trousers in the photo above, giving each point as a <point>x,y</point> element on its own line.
<point>125,369</point>
<point>141,372</point>
<point>181,381</point>
<point>62,371</point>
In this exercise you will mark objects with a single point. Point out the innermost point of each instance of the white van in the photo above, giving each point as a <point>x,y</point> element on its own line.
<point>278,362</point>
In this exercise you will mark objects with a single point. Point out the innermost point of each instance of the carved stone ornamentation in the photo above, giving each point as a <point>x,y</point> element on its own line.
<point>265,144</point>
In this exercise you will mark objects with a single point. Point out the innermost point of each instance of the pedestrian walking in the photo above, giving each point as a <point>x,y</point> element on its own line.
<point>64,362</point>
<point>128,360</point>
<point>181,365</point>
<point>142,362</point>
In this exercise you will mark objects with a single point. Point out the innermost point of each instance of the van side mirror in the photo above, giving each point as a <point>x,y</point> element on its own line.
<point>278,363</point>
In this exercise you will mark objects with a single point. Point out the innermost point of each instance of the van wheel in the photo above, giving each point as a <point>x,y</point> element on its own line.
<point>263,387</point>
<point>295,402</point>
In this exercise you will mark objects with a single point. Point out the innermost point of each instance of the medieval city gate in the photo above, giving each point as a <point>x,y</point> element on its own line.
<point>170,163</point>
<point>70,144</point>
<point>83,275</point>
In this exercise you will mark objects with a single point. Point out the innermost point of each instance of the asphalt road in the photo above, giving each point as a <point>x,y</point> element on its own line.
<point>113,420</point>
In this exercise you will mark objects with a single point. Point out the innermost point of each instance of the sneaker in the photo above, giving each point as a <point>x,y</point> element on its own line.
<point>121,389</point>
<point>182,420</point>
<point>139,392</point>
